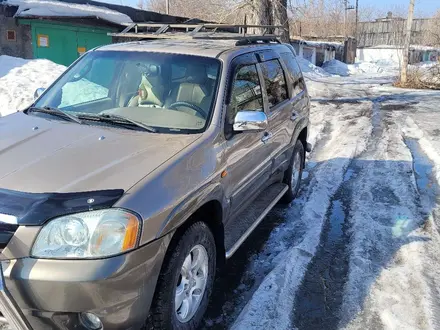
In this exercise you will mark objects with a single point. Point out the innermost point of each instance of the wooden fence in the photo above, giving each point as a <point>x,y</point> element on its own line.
<point>391,32</point>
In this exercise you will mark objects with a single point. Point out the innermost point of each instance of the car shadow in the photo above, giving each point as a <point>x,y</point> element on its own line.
<point>368,221</point>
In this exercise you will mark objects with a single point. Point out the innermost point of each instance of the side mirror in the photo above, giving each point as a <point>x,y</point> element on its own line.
<point>38,92</point>
<point>250,121</point>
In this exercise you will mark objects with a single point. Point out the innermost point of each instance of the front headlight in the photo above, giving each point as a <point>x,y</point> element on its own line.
<point>93,234</point>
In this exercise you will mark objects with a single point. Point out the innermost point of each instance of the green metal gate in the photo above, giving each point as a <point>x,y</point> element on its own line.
<point>64,43</point>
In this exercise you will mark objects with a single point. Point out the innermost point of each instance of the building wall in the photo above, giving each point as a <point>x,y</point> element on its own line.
<point>64,42</point>
<point>22,46</point>
<point>374,54</point>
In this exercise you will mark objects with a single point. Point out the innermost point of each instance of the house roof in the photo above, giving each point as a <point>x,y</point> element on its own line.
<point>136,14</point>
<point>52,8</point>
<point>115,14</point>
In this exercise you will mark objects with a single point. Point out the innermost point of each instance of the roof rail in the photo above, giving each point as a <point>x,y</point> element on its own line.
<point>202,31</point>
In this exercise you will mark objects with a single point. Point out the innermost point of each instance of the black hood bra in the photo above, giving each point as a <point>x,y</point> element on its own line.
<point>34,209</point>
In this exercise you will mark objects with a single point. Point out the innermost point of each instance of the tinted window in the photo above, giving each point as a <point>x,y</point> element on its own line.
<point>246,91</point>
<point>294,72</point>
<point>275,82</point>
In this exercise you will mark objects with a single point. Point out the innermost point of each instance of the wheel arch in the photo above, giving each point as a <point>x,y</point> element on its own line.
<point>211,213</point>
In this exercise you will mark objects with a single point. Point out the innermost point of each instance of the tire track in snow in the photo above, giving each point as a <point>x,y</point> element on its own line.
<point>320,296</point>
<point>385,287</point>
<point>272,303</point>
<point>426,169</point>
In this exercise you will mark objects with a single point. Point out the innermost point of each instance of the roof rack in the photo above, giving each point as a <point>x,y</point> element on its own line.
<point>202,31</point>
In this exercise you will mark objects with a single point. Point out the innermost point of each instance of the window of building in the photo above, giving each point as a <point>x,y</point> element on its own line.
<point>11,35</point>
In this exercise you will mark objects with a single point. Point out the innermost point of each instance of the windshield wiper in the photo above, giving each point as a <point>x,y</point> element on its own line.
<point>56,112</point>
<point>116,119</point>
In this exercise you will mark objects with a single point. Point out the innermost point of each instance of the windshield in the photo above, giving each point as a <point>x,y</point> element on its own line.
<point>170,92</point>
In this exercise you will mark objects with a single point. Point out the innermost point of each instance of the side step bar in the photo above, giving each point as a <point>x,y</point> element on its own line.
<point>253,215</point>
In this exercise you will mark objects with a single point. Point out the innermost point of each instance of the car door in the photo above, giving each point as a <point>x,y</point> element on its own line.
<point>297,87</point>
<point>278,107</point>
<point>246,154</point>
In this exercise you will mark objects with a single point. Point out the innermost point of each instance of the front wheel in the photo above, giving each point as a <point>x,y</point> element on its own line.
<point>186,281</point>
<point>293,175</point>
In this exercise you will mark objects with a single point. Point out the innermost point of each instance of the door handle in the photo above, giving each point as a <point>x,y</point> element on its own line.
<point>266,137</point>
<point>294,116</point>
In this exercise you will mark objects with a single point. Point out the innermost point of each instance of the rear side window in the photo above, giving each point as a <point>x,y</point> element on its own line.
<point>294,72</point>
<point>275,82</point>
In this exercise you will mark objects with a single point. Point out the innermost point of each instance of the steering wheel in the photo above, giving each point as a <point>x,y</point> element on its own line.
<point>194,107</point>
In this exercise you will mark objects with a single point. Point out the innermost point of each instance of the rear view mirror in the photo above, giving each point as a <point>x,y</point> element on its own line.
<point>38,92</point>
<point>250,121</point>
<point>150,70</point>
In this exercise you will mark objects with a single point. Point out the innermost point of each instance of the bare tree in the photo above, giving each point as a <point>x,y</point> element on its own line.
<point>433,36</point>
<point>209,10</point>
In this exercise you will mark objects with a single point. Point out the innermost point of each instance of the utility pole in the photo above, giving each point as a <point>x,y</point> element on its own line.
<point>347,7</point>
<point>405,60</point>
<point>357,19</point>
<point>167,7</point>
<point>345,18</point>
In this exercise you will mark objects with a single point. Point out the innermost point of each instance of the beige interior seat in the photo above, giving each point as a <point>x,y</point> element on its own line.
<point>195,89</point>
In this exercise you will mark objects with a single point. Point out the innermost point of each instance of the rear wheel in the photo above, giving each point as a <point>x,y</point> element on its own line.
<point>186,281</point>
<point>293,175</point>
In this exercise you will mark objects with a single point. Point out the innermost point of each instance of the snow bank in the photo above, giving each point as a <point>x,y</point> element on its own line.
<point>339,68</point>
<point>336,67</point>
<point>309,69</point>
<point>48,8</point>
<point>19,79</point>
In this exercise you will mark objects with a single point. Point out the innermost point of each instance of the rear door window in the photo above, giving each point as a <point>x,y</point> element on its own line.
<point>275,82</point>
<point>294,72</point>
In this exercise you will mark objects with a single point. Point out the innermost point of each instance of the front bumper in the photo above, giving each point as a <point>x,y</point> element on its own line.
<point>50,294</point>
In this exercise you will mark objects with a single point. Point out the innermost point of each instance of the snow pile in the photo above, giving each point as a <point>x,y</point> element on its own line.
<point>336,67</point>
<point>309,69</point>
<point>19,79</point>
<point>366,67</point>
<point>8,62</point>
<point>339,68</point>
<point>48,8</point>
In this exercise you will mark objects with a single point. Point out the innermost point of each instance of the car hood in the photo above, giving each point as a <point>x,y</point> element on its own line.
<point>41,155</point>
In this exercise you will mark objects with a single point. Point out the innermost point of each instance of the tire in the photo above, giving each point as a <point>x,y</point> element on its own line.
<point>192,243</point>
<point>296,164</point>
